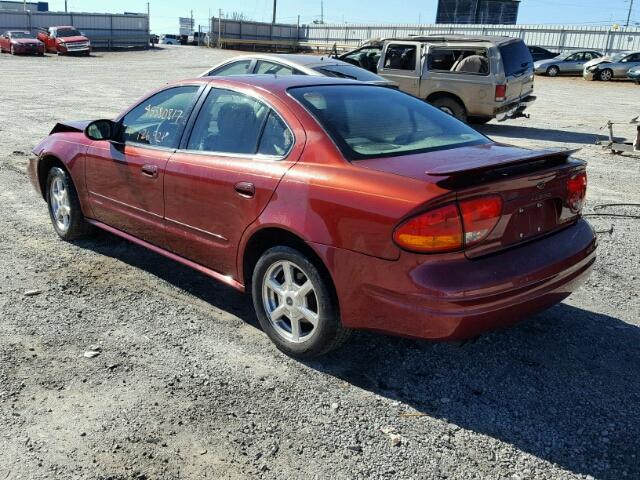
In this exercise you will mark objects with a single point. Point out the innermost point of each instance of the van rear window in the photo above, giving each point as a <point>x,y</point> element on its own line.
<point>516,58</point>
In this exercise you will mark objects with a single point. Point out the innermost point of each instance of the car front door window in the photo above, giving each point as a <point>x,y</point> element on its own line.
<point>159,120</point>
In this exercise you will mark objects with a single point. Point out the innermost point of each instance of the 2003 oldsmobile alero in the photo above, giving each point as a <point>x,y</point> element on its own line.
<point>339,205</point>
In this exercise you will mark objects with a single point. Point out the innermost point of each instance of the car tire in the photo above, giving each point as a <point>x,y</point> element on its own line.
<point>553,71</point>
<point>64,206</point>
<point>605,75</point>
<point>451,106</point>
<point>290,293</point>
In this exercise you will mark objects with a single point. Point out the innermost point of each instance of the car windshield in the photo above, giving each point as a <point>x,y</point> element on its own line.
<point>347,71</point>
<point>617,57</point>
<point>69,32</point>
<point>370,122</point>
<point>516,57</point>
<point>21,35</point>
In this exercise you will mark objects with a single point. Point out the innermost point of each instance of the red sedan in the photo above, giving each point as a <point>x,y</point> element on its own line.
<point>338,205</point>
<point>20,42</point>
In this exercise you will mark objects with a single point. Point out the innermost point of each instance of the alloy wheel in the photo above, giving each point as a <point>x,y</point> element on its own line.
<point>290,301</point>
<point>606,75</point>
<point>553,71</point>
<point>60,204</point>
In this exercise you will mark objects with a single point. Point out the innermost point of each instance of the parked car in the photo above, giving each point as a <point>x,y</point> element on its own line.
<point>607,68</point>
<point>472,78</point>
<point>64,40</point>
<point>20,42</point>
<point>169,39</point>
<point>196,38</point>
<point>539,53</point>
<point>339,205</point>
<point>568,63</point>
<point>634,74</point>
<point>292,64</point>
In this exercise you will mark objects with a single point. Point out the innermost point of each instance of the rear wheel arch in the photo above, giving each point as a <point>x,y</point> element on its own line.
<point>449,96</point>
<point>269,237</point>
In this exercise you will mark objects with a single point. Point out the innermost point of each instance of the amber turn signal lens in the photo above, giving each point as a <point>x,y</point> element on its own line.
<point>435,231</point>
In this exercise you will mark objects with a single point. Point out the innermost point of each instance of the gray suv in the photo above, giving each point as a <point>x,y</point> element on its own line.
<point>474,79</point>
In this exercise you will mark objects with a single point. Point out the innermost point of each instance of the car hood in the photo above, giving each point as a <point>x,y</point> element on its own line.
<point>459,160</point>
<point>597,61</point>
<point>25,41</point>
<point>546,62</point>
<point>73,39</point>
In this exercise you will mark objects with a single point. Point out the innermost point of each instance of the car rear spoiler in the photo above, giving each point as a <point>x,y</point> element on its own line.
<point>473,166</point>
<point>73,126</point>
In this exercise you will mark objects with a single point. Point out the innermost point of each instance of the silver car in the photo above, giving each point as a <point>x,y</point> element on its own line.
<point>295,64</point>
<point>567,63</point>
<point>606,68</point>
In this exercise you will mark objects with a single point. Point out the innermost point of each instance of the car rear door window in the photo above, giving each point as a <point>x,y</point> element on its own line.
<point>229,122</point>
<point>240,67</point>
<point>276,138</point>
<point>270,68</point>
<point>159,120</point>
<point>400,57</point>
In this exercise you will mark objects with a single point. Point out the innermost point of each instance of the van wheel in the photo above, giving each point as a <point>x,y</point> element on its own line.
<point>451,106</point>
<point>553,71</point>
<point>295,304</point>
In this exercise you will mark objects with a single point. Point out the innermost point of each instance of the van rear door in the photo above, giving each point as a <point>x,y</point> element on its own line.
<point>518,69</point>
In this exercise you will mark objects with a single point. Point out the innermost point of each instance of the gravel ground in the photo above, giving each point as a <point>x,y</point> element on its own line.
<point>186,385</point>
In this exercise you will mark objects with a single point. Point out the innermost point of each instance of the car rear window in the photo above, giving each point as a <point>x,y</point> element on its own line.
<point>347,71</point>
<point>367,121</point>
<point>516,58</point>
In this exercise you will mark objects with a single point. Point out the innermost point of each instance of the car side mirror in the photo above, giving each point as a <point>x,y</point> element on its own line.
<point>103,130</point>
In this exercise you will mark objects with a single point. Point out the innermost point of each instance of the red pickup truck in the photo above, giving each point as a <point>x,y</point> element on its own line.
<point>64,40</point>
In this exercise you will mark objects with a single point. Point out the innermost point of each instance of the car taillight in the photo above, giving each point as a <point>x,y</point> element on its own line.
<point>479,217</point>
<point>576,191</point>
<point>501,93</point>
<point>451,227</point>
<point>435,231</point>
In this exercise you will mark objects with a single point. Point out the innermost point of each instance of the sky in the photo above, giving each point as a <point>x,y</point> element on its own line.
<point>165,13</point>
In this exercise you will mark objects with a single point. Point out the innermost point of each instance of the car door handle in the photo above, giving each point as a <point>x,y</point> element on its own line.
<point>245,189</point>
<point>150,171</point>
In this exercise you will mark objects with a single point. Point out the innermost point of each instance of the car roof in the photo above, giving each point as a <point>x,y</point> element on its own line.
<point>293,59</point>
<point>273,83</point>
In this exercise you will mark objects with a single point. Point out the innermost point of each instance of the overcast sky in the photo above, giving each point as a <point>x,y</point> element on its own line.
<point>165,13</point>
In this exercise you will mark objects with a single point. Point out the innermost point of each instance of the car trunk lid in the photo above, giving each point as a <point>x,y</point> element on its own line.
<point>531,183</point>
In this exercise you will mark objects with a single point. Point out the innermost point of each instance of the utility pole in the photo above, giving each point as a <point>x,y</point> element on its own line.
<point>322,11</point>
<point>192,26</point>
<point>629,14</point>
<point>275,6</point>
<point>149,17</point>
<point>219,26</point>
<point>65,6</point>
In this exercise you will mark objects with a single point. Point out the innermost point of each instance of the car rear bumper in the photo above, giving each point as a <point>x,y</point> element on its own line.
<point>460,298</point>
